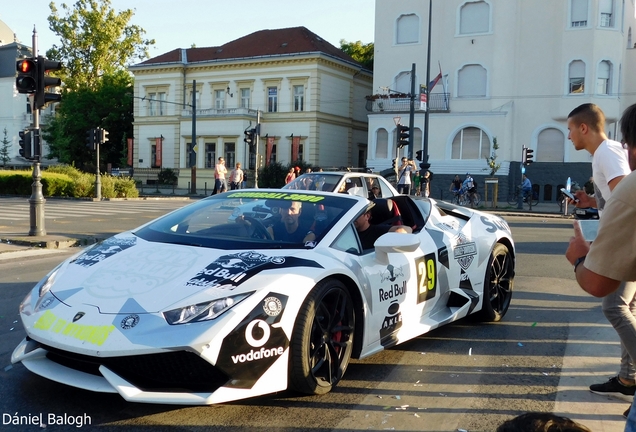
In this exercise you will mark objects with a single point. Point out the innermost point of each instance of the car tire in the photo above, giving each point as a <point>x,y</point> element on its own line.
<point>498,284</point>
<point>322,339</point>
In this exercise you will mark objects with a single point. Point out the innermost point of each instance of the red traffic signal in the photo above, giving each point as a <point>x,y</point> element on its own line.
<point>26,81</point>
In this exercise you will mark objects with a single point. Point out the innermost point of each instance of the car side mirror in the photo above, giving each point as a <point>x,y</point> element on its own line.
<point>394,243</point>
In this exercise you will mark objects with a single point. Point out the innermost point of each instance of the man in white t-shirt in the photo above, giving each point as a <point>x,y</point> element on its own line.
<point>404,176</point>
<point>586,124</point>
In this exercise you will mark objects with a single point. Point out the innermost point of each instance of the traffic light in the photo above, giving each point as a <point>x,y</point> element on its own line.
<point>102,136</point>
<point>402,136</point>
<point>91,140</point>
<point>526,156</point>
<point>26,144</point>
<point>418,155</point>
<point>394,164</point>
<point>44,66</point>
<point>26,81</point>
<point>249,137</point>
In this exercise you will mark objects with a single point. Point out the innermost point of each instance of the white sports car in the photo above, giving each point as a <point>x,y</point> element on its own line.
<point>193,309</point>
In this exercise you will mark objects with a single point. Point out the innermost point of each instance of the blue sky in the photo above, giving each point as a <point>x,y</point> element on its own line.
<point>179,24</point>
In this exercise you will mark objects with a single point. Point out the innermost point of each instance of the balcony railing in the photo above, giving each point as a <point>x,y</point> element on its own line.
<point>212,112</point>
<point>438,102</point>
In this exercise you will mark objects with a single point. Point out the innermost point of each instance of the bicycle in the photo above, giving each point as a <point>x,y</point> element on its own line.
<point>513,198</point>
<point>463,198</point>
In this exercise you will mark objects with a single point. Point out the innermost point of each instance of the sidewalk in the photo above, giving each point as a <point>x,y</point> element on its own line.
<point>14,242</point>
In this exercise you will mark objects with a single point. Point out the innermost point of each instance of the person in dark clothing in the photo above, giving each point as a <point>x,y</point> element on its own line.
<point>290,228</point>
<point>370,233</point>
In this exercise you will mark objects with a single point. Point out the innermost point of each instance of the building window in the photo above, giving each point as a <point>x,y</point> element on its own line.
<point>272,156</point>
<point>603,80</point>
<point>245,98</point>
<point>472,81</point>
<point>272,99</point>
<point>408,29</point>
<point>470,143</point>
<point>299,98</point>
<point>210,155</point>
<point>550,146</point>
<point>403,82</point>
<point>153,156</point>
<point>219,99</point>
<point>301,152</point>
<point>151,104</point>
<point>381,144</point>
<point>606,9</point>
<point>578,13</point>
<point>230,155</point>
<point>577,77</point>
<point>197,98</point>
<point>474,18</point>
<point>190,156</point>
<point>161,104</point>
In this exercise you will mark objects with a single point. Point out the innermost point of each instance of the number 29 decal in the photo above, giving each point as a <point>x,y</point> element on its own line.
<point>426,267</point>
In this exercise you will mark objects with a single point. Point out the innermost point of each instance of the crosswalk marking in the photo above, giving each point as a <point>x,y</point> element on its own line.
<point>17,209</point>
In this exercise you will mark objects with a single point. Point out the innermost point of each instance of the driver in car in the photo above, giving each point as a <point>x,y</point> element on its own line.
<point>290,228</point>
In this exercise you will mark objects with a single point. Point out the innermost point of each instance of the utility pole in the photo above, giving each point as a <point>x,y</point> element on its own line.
<point>36,201</point>
<point>412,112</point>
<point>257,139</point>
<point>193,155</point>
<point>424,164</point>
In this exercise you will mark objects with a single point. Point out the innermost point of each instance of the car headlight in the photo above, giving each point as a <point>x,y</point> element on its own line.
<point>202,311</point>
<point>47,282</point>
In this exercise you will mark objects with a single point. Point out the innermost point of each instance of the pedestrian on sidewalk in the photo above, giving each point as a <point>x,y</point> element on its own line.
<point>609,269</point>
<point>236,177</point>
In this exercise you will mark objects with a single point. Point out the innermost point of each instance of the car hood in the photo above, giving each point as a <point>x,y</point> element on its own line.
<point>126,274</point>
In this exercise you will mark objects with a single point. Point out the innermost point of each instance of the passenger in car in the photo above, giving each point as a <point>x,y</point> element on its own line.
<point>370,233</point>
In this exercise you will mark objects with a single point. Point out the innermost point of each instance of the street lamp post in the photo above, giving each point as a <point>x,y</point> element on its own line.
<point>424,164</point>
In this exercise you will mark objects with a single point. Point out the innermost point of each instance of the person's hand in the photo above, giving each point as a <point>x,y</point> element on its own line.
<point>311,236</point>
<point>584,200</point>
<point>578,245</point>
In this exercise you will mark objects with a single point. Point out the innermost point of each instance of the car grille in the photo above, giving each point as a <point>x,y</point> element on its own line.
<point>177,371</point>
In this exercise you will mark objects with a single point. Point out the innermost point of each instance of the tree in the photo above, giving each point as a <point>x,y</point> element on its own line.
<point>493,166</point>
<point>4,150</point>
<point>95,41</point>
<point>362,53</point>
<point>109,106</point>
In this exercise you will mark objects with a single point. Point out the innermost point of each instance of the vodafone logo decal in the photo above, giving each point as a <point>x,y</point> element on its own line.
<point>257,342</point>
<point>249,337</point>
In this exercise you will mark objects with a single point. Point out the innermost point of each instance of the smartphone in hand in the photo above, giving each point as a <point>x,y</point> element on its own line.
<point>569,194</point>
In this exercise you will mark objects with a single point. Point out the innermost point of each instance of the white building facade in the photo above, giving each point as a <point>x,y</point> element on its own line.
<point>298,86</point>
<point>512,69</point>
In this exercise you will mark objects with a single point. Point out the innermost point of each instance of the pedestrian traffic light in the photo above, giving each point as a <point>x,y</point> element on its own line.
<point>26,81</point>
<point>402,136</point>
<point>526,156</point>
<point>249,137</point>
<point>26,144</point>
<point>418,155</point>
<point>91,139</point>
<point>44,66</point>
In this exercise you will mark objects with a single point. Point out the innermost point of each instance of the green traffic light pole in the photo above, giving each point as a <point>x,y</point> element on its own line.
<point>36,201</point>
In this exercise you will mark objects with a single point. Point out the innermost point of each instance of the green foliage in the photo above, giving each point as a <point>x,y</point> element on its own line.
<point>107,105</point>
<point>4,149</point>
<point>66,182</point>
<point>95,41</point>
<point>167,176</point>
<point>362,53</point>
<point>272,175</point>
<point>493,166</point>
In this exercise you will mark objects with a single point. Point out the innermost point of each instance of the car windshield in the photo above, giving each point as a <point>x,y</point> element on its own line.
<point>276,219</point>
<point>315,181</point>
